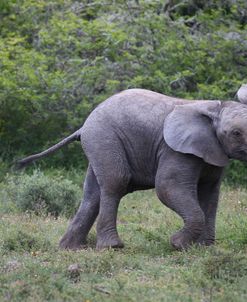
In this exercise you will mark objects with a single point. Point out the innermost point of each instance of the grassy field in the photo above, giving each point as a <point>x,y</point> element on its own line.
<point>32,268</point>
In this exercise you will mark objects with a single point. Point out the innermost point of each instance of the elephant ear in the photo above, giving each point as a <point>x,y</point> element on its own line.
<point>190,129</point>
<point>242,94</point>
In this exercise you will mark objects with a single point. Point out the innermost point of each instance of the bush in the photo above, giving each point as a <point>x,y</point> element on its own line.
<point>59,59</point>
<point>22,241</point>
<point>42,194</point>
<point>235,174</point>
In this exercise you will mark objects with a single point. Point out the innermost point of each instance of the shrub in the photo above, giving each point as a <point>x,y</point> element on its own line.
<point>59,59</point>
<point>42,194</point>
<point>236,173</point>
<point>22,241</point>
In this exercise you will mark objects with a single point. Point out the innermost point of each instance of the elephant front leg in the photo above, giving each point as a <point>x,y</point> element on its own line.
<point>208,194</point>
<point>181,197</point>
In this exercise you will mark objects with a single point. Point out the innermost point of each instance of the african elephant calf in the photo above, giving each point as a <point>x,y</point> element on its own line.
<point>139,139</point>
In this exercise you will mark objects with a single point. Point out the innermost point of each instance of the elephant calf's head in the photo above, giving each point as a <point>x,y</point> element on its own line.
<point>232,130</point>
<point>212,130</point>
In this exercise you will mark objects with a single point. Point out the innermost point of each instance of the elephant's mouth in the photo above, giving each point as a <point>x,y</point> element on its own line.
<point>239,153</point>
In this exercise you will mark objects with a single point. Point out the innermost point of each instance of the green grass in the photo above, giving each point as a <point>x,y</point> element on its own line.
<point>32,268</point>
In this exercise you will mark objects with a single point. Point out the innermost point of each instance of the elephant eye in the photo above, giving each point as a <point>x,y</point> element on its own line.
<point>236,133</point>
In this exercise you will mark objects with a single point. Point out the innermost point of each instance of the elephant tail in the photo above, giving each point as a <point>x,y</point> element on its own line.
<point>28,160</point>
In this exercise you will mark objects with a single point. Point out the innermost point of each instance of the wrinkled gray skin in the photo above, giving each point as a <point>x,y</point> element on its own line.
<point>139,139</point>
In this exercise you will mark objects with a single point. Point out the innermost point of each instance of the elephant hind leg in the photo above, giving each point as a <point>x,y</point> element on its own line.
<point>107,235</point>
<point>112,188</point>
<point>112,171</point>
<point>75,237</point>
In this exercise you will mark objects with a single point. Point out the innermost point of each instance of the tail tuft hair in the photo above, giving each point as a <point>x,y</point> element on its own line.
<point>21,164</point>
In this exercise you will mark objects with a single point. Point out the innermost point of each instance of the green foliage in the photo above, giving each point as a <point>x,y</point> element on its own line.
<point>41,194</point>
<point>236,173</point>
<point>20,241</point>
<point>59,59</point>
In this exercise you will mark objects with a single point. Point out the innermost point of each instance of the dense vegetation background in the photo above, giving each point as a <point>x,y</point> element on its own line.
<point>59,59</point>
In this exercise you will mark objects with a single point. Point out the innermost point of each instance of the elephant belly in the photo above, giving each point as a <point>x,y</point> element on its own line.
<point>137,187</point>
<point>138,182</point>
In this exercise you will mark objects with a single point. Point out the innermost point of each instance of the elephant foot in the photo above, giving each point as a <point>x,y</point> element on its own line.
<point>181,240</point>
<point>206,241</point>
<point>106,243</point>
<point>72,242</point>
